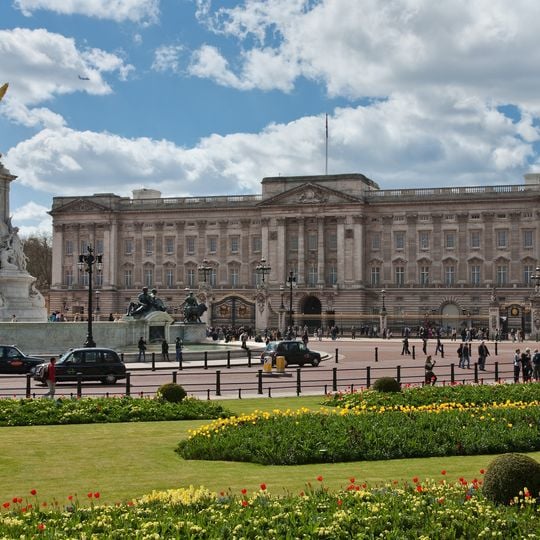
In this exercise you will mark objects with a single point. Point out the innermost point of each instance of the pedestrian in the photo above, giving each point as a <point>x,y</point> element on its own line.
<point>517,365</point>
<point>466,356</point>
<point>483,353</point>
<point>319,333</point>
<point>424,345</point>
<point>111,317</point>
<point>179,345</point>
<point>430,377</point>
<point>405,348</point>
<point>353,332</point>
<point>141,345</point>
<point>50,378</point>
<point>14,318</point>
<point>536,365</point>
<point>439,347</point>
<point>526,365</point>
<point>165,350</point>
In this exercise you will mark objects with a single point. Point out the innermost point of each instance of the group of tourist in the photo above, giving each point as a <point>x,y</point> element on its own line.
<point>527,364</point>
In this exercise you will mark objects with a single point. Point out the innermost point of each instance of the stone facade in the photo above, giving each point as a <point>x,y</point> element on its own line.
<point>439,254</point>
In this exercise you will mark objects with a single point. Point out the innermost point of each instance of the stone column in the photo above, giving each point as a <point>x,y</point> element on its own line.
<point>488,273</point>
<point>5,179</point>
<point>436,251</point>
<point>340,251</point>
<point>137,262</point>
<point>300,277</point>
<point>180,250</point>
<point>462,249</point>
<point>320,253</point>
<point>358,250</point>
<point>158,254</point>
<point>245,268</point>
<point>281,249</point>
<point>411,278</point>
<point>57,256</point>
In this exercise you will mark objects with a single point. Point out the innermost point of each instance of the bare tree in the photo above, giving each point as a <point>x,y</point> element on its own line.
<point>38,250</point>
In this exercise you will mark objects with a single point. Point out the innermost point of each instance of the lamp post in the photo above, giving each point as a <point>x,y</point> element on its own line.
<point>87,261</point>
<point>383,314</point>
<point>291,280</point>
<point>536,279</point>
<point>262,269</point>
<point>97,304</point>
<point>383,294</point>
<point>535,302</point>
<point>205,270</point>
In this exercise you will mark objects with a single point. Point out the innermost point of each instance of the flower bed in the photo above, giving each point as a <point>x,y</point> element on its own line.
<point>33,412</point>
<point>427,395</point>
<point>367,433</point>
<point>428,509</point>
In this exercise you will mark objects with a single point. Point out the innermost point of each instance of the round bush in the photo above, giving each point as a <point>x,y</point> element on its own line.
<point>387,384</point>
<point>171,392</point>
<point>508,474</point>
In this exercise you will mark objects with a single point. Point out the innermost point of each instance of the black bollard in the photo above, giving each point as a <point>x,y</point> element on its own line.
<point>496,348</point>
<point>337,356</point>
<point>79,385</point>
<point>28,385</point>
<point>174,377</point>
<point>368,376</point>
<point>205,359</point>
<point>218,382</point>
<point>298,382</point>
<point>228,359</point>
<point>398,374</point>
<point>153,361</point>
<point>442,350</point>
<point>413,352</point>
<point>476,372</point>
<point>128,384</point>
<point>259,381</point>
<point>376,354</point>
<point>496,371</point>
<point>452,373</point>
<point>334,379</point>
<point>249,357</point>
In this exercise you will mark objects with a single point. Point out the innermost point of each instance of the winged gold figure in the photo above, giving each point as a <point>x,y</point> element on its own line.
<point>3,90</point>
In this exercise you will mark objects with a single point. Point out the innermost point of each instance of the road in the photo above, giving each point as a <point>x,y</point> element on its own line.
<point>359,363</point>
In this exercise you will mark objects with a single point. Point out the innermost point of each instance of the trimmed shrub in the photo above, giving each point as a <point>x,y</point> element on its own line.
<point>387,384</point>
<point>171,392</point>
<point>509,474</point>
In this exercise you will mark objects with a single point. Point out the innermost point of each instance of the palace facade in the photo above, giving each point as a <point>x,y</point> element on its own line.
<point>423,256</point>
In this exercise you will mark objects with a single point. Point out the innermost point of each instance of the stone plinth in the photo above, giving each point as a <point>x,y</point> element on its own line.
<point>19,297</point>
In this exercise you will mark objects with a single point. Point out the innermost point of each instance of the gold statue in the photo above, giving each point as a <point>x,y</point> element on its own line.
<point>3,90</point>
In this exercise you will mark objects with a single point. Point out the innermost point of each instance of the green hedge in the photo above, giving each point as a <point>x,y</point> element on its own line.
<point>37,412</point>
<point>427,395</point>
<point>347,435</point>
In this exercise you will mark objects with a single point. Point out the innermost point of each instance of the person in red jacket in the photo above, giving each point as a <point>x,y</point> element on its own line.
<point>51,378</point>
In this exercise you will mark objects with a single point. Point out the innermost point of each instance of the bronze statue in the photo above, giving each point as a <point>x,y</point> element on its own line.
<point>193,310</point>
<point>146,303</point>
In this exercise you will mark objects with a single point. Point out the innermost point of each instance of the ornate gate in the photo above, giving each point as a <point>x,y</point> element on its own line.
<point>233,311</point>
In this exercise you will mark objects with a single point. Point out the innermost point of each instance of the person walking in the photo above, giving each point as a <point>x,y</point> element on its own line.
<point>536,365</point>
<point>517,365</point>
<point>405,348</point>
<point>439,347</point>
<point>50,379</point>
<point>179,345</point>
<point>141,345</point>
<point>165,351</point>
<point>483,353</point>
<point>526,365</point>
<point>424,345</point>
<point>430,377</point>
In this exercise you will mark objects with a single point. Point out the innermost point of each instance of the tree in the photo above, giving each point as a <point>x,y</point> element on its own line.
<point>38,250</point>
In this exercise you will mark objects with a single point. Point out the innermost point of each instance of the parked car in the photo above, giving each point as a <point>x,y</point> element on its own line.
<point>93,363</point>
<point>12,360</point>
<point>295,352</point>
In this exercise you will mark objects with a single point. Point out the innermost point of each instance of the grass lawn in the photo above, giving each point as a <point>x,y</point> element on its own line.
<point>122,461</point>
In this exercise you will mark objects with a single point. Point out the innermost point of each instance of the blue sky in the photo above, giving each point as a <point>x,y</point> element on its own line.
<point>204,97</point>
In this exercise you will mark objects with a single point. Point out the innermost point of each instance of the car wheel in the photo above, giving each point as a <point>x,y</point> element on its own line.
<point>315,362</point>
<point>109,379</point>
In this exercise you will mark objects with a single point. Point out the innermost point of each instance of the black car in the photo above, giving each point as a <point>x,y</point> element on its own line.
<point>93,364</point>
<point>12,360</point>
<point>295,352</point>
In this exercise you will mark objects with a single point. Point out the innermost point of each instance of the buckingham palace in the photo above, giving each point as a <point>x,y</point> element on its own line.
<point>310,250</point>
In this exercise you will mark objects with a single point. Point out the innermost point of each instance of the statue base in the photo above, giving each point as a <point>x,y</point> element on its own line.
<point>19,297</point>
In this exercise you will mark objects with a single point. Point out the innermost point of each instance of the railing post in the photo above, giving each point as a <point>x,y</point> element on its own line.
<point>496,371</point>
<point>174,377</point>
<point>452,373</point>
<point>398,374</point>
<point>79,385</point>
<point>368,376</point>
<point>228,359</point>
<point>218,382</point>
<point>259,381</point>
<point>337,356</point>
<point>334,379</point>
<point>205,359</point>
<point>153,361</point>
<point>413,352</point>
<point>496,349</point>
<point>128,384</point>
<point>376,354</point>
<point>298,382</point>
<point>28,385</point>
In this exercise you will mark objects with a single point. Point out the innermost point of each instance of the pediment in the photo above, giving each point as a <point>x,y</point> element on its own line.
<point>309,194</point>
<point>81,206</point>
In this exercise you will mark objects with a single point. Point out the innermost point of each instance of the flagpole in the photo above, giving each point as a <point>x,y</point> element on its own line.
<point>326,149</point>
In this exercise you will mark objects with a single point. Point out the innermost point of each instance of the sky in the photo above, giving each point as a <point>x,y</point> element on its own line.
<point>196,97</point>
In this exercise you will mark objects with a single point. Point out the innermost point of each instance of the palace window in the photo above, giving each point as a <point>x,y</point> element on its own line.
<point>449,275</point>
<point>169,278</point>
<point>256,244</point>
<point>475,239</point>
<point>528,272</point>
<point>128,246</point>
<point>312,241</point>
<point>376,241</point>
<point>68,277</point>
<point>528,239</point>
<point>312,276</point>
<point>423,239</point>
<point>69,247</point>
<point>399,274</point>
<point>502,238</point>
<point>399,240</point>
<point>128,278</point>
<point>450,240</point>
<point>148,277</point>
<point>149,246</point>
<point>190,277</point>
<point>169,245</point>
<point>424,276</point>
<point>235,244</point>
<point>502,275</point>
<point>234,276</point>
<point>190,245</point>
<point>332,275</point>
<point>375,276</point>
<point>475,275</point>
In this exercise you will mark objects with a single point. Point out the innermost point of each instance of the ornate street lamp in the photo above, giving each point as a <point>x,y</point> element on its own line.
<point>291,280</point>
<point>383,294</point>
<point>87,261</point>
<point>536,279</point>
<point>205,270</point>
<point>262,269</point>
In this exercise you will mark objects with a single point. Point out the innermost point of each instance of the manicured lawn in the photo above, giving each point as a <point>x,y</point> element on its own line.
<point>122,461</point>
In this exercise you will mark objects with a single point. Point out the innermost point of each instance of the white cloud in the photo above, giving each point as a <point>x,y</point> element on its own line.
<point>373,48</point>
<point>32,219</point>
<point>138,11</point>
<point>41,65</point>
<point>404,140</point>
<point>166,58</point>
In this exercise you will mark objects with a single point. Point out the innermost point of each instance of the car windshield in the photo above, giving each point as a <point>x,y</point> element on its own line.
<point>271,346</point>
